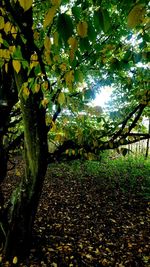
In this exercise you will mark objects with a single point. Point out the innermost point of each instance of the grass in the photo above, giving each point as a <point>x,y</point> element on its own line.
<point>130,174</point>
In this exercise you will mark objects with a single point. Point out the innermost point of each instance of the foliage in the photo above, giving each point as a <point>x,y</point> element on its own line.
<point>92,47</point>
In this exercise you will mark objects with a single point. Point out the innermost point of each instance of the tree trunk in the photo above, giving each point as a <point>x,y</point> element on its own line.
<point>25,198</point>
<point>147,145</point>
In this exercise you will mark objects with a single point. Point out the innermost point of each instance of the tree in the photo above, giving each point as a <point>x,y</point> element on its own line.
<point>54,53</point>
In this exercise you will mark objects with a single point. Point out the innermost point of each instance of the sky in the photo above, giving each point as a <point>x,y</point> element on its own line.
<point>102,97</point>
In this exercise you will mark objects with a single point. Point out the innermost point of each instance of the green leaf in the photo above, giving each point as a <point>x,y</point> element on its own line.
<point>37,69</point>
<point>102,20</point>
<point>91,31</point>
<point>106,21</point>
<point>78,76</point>
<point>65,27</point>
<point>77,11</point>
<point>146,37</point>
<point>17,53</point>
<point>84,44</point>
<point>98,20</point>
<point>5,43</point>
<point>25,64</point>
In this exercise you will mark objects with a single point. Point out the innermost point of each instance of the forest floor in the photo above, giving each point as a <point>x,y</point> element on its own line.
<point>82,222</point>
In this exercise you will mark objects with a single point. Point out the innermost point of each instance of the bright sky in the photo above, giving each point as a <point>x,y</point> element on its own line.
<point>102,97</point>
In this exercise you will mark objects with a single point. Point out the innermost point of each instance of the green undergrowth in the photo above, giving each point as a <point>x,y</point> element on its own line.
<point>129,174</point>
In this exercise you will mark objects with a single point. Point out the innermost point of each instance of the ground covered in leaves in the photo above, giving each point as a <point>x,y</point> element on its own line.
<point>81,221</point>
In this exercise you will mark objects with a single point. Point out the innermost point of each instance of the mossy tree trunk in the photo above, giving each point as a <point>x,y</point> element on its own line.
<point>25,198</point>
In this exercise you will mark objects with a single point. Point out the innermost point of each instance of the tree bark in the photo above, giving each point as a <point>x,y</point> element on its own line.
<point>25,198</point>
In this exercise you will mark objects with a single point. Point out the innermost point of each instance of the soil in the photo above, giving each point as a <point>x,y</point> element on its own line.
<point>81,222</point>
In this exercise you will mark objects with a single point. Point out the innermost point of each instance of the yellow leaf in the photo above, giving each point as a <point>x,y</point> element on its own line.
<point>54,264</point>
<point>136,16</point>
<point>71,55</point>
<point>26,91</point>
<point>58,137</point>
<point>73,152</point>
<point>56,2</point>
<point>49,16</point>
<point>37,88</point>
<point>47,43</point>
<point>82,29</point>
<point>2,22</point>
<point>1,258</point>
<point>25,4</point>
<point>36,35</point>
<point>105,262</point>
<point>122,141</point>
<point>67,151</point>
<point>69,77</point>
<point>1,39</point>
<point>53,126</point>
<point>6,67</point>
<point>95,143</point>
<point>16,65</point>
<point>34,61</point>
<point>97,252</point>
<point>14,32</point>
<point>129,245</point>
<point>45,85</point>
<point>1,53</point>
<point>6,54</point>
<point>15,260</point>
<point>2,11</point>
<point>44,102</point>
<point>61,98</point>
<point>90,156</point>
<point>7,27</point>
<point>47,57</point>
<point>12,49</point>
<point>56,58</point>
<point>18,173</point>
<point>63,66</point>
<point>72,41</point>
<point>111,145</point>
<point>55,37</point>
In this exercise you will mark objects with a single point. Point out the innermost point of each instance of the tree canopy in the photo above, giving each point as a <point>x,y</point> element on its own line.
<point>69,50</point>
